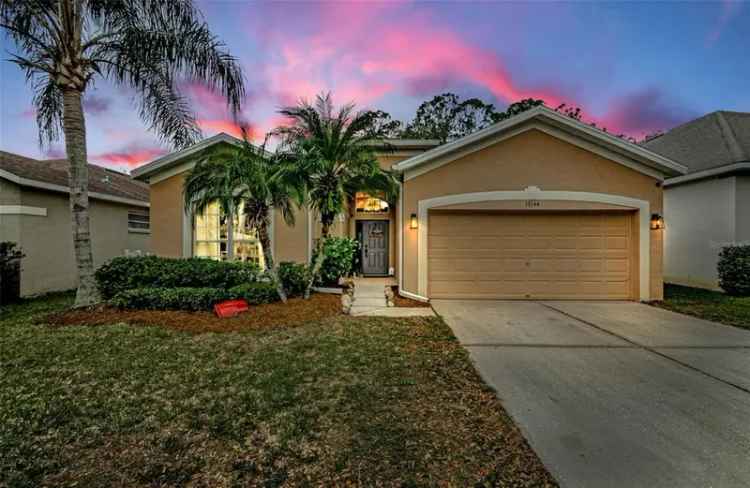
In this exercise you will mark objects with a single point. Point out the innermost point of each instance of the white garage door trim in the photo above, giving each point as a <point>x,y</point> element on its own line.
<point>533,193</point>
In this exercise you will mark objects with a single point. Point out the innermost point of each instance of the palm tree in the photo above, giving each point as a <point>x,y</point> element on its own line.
<point>333,154</point>
<point>64,45</point>
<point>250,178</point>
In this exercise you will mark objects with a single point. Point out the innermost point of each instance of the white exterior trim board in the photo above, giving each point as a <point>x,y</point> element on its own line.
<point>662,163</point>
<point>642,206</point>
<point>23,210</point>
<point>708,173</point>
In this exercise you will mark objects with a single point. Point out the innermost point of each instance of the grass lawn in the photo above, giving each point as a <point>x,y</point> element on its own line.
<point>337,401</point>
<point>707,304</point>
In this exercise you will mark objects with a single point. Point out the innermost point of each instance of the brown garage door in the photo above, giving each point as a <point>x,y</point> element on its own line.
<point>539,256</point>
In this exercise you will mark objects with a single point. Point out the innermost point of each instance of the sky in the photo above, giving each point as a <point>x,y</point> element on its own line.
<point>632,67</point>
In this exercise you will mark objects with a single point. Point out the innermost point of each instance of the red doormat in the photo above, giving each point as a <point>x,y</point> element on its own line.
<point>230,308</point>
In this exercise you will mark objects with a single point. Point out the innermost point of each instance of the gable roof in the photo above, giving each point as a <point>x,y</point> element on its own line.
<point>52,175</point>
<point>175,158</point>
<point>646,161</point>
<point>715,144</point>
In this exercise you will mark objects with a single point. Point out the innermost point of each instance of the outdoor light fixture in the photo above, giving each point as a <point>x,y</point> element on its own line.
<point>657,221</point>
<point>413,224</point>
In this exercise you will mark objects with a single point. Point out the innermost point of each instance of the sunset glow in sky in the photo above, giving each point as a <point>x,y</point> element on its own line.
<point>634,68</point>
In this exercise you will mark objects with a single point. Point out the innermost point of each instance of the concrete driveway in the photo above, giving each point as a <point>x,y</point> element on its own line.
<point>616,394</point>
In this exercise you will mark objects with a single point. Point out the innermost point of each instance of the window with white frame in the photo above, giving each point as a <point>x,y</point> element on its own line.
<point>139,220</point>
<point>211,232</point>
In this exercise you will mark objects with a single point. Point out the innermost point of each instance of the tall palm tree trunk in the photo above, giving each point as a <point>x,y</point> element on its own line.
<point>325,231</point>
<point>74,127</point>
<point>265,243</point>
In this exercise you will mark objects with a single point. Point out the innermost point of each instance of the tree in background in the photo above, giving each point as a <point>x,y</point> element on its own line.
<point>332,154</point>
<point>248,178</point>
<point>64,45</point>
<point>445,117</point>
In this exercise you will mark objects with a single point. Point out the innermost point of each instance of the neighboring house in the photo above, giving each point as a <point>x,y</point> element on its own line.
<point>539,206</point>
<point>35,213</point>
<point>710,206</point>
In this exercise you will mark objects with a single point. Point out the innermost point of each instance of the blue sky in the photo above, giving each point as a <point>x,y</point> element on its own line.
<point>634,67</point>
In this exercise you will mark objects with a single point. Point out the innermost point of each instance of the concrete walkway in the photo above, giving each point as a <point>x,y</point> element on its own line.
<point>369,300</point>
<point>616,394</point>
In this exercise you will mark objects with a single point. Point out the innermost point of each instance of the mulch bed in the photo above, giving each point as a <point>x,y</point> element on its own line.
<point>295,312</point>
<point>407,302</point>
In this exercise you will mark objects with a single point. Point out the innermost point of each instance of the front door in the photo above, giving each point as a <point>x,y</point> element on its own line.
<point>375,247</point>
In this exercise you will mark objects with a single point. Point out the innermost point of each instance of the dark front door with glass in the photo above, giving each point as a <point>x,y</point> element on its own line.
<point>375,247</point>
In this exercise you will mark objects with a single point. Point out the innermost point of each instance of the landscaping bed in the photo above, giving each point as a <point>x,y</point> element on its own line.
<point>339,401</point>
<point>400,301</point>
<point>295,312</point>
<point>707,304</point>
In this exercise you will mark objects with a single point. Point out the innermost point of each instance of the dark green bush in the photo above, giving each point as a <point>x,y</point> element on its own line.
<point>338,259</point>
<point>294,277</point>
<point>185,298</point>
<point>255,293</point>
<point>734,270</point>
<point>192,299</point>
<point>126,273</point>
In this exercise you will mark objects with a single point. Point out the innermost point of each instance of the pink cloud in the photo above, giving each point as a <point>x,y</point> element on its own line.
<point>130,156</point>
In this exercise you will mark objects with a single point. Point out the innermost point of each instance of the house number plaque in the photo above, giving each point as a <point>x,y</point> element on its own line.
<point>533,203</point>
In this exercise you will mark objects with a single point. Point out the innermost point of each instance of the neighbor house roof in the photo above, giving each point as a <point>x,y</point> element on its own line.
<point>645,159</point>
<point>52,175</point>
<point>715,144</point>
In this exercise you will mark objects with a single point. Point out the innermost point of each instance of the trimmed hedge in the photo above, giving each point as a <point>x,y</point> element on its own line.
<point>294,277</point>
<point>126,273</point>
<point>734,270</point>
<point>192,299</point>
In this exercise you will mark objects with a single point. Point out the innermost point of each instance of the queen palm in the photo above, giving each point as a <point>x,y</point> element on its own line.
<point>248,178</point>
<point>333,155</point>
<point>149,46</point>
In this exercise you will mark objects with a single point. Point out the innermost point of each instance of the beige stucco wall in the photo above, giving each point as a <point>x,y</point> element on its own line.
<point>532,158</point>
<point>10,194</point>
<point>167,216</point>
<point>291,241</point>
<point>49,264</point>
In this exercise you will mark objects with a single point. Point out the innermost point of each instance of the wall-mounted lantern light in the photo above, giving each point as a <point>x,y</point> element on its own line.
<point>413,223</point>
<point>657,221</point>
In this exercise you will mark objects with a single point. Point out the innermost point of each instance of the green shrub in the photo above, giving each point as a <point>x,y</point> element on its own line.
<point>184,298</point>
<point>734,270</point>
<point>126,273</point>
<point>294,277</point>
<point>338,259</point>
<point>255,293</point>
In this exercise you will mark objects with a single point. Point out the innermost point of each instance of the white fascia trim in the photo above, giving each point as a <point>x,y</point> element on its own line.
<point>642,206</point>
<point>413,296</point>
<point>400,235</point>
<point>148,168</point>
<point>64,189</point>
<point>310,232</point>
<point>708,173</point>
<point>23,210</point>
<point>664,165</point>
<point>554,132</point>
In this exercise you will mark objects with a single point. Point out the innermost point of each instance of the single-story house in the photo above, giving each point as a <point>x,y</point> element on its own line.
<point>709,207</point>
<point>35,214</point>
<point>539,206</point>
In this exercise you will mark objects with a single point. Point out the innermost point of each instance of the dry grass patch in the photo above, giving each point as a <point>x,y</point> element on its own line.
<point>340,401</point>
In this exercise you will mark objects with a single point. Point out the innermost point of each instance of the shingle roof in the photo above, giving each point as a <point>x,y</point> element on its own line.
<point>716,139</point>
<point>55,172</point>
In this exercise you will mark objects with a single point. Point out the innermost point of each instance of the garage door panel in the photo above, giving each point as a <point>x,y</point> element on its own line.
<point>561,255</point>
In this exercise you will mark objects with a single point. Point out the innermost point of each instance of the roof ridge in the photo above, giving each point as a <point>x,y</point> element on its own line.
<point>730,138</point>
